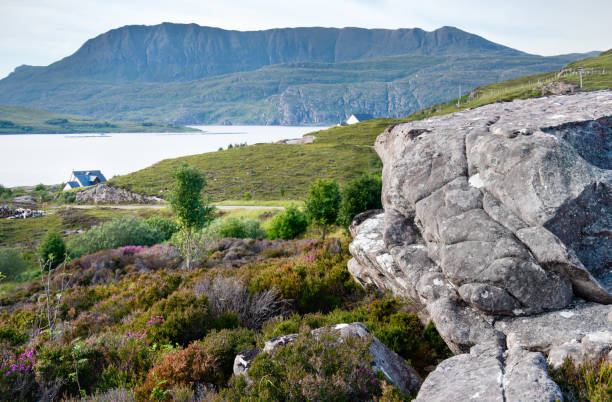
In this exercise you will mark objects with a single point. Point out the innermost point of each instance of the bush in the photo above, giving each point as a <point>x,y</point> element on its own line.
<point>360,195</point>
<point>116,233</point>
<point>166,227</point>
<point>12,263</point>
<point>288,225</point>
<point>180,318</point>
<point>57,362</point>
<point>52,250</point>
<point>13,336</point>
<point>231,296</point>
<point>313,369</point>
<point>202,362</point>
<point>241,228</point>
<point>67,197</point>
<point>318,281</point>
<point>398,330</point>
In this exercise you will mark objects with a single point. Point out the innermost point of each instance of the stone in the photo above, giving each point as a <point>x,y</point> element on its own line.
<point>243,360</point>
<point>547,331</point>
<point>526,377</point>
<point>487,373</point>
<point>275,342</point>
<point>105,194</point>
<point>557,88</point>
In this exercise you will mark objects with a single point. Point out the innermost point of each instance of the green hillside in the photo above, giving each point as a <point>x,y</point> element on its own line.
<point>23,120</point>
<point>339,153</point>
<point>597,74</point>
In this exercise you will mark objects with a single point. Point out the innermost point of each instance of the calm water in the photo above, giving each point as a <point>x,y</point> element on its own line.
<point>50,158</point>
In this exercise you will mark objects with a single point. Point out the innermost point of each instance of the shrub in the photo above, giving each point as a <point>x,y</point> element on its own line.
<point>12,263</point>
<point>17,378</point>
<point>202,362</point>
<point>59,362</point>
<point>319,281</point>
<point>322,204</point>
<point>184,318</point>
<point>67,197</point>
<point>241,228</point>
<point>231,296</point>
<point>166,227</point>
<point>360,195</point>
<point>288,225</point>
<point>13,336</point>
<point>52,250</point>
<point>398,330</point>
<point>113,234</point>
<point>314,369</point>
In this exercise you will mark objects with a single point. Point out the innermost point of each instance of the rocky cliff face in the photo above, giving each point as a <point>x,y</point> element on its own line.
<point>497,222</point>
<point>171,52</point>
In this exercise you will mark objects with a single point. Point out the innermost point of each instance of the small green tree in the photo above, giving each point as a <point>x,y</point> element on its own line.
<point>288,225</point>
<point>323,204</point>
<point>52,251</point>
<point>360,195</point>
<point>192,212</point>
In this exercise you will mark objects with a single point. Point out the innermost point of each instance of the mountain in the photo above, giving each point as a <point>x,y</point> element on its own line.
<point>192,74</point>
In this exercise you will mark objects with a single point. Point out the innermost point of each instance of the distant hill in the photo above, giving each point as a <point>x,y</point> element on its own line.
<point>339,153</point>
<point>23,120</point>
<point>191,74</point>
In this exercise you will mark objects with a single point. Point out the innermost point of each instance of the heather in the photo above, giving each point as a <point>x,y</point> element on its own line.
<point>132,320</point>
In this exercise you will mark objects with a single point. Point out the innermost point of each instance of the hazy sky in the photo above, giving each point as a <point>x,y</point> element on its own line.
<point>39,32</point>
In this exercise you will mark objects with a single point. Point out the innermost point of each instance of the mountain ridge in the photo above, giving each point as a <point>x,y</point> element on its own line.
<point>196,49</point>
<point>187,74</point>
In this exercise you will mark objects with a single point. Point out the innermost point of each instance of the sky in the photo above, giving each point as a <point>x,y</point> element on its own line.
<point>39,32</point>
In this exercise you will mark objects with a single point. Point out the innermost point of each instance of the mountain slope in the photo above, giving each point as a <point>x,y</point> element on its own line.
<point>22,120</point>
<point>339,153</point>
<point>192,74</point>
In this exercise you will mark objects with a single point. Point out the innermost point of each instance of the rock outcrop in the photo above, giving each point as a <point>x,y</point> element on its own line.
<point>497,224</point>
<point>104,194</point>
<point>392,366</point>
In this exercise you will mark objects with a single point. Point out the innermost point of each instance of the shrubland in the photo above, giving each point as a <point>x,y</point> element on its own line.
<point>133,321</point>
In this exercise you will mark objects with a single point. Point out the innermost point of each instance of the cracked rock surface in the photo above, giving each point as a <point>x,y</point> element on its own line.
<point>497,224</point>
<point>488,373</point>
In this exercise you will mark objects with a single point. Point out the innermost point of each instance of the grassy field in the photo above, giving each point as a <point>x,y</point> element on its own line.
<point>23,120</point>
<point>266,170</point>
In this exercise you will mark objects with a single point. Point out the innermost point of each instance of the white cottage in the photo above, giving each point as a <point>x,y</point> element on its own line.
<point>356,118</point>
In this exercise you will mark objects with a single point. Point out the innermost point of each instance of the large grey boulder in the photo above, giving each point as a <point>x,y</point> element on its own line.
<point>497,224</point>
<point>393,367</point>
<point>488,373</point>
